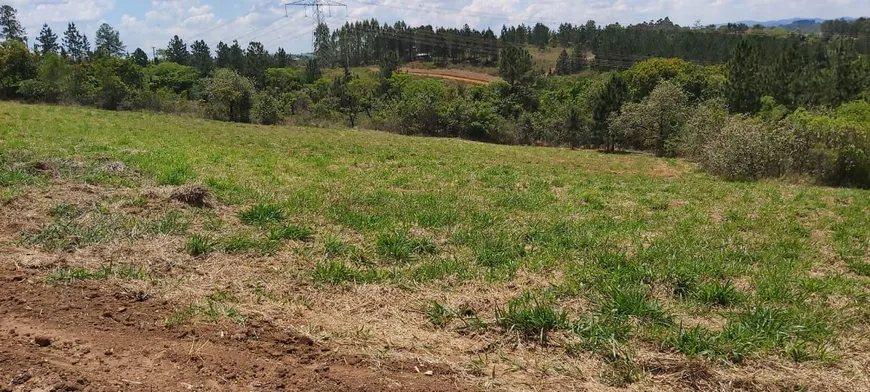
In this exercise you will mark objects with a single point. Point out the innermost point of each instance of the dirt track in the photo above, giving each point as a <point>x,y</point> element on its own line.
<point>102,339</point>
<point>452,74</point>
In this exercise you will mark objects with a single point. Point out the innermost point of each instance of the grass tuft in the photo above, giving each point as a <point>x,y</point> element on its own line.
<point>292,233</point>
<point>533,316</point>
<point>400,246</point>
<point>262,214</point>
<point>200,245</point>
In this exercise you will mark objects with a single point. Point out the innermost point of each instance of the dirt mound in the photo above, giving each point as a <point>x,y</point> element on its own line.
<point>89,337</point>
<point>193,195</point>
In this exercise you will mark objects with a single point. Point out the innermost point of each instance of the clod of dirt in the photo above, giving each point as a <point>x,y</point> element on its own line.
<point>57,166</point>
<point>42,341</point>
<point>21,378</point>
<point>193,195</point>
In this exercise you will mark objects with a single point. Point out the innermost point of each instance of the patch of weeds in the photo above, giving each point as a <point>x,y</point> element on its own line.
<point>139,201</point>
<point>693,342</point>
<point>860,268</point>
<point>438,269</point>
<point>336,248</point>
<point>121,271</point>
<point>262,214</point>
<point>621,368</point>
<point>336,272</point>
<point>802,351</point>
<point>401,247</point>
<point>64,210</point>
<point>439,315</point>
<point>766,327</point>
<point>199,245</point>
<point>173,222</point>
<point>290,232</point>
<point>181,316</point>
<point>625,300</point>
<point>719,294</point>
<point>240,244</point>
<point>497,251</point>
<point>174,175</point>
<point>600,332</point>
<point>532,315</point>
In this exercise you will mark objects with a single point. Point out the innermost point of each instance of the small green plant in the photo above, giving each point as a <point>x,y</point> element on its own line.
<point>627,299</point>
<point>199,245</point>
<point>240,244</point>
<point>438,314</point>
<point>64,210</point>
<point>533,316</point>
<point>290,232</point>
<point>693,342</point>
<point>181,316</point>
<point>400,246</point>
<point>336,272</point>
<point>336,248</point>
<point>860,268</point>
<point>174,175</point>
<point>262,214</point>
<point>719,294</point>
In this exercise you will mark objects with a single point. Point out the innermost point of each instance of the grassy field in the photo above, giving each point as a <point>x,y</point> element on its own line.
<point>523,268</point>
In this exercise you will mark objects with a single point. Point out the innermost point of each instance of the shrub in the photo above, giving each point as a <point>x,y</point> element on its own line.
<point>748,150</point>
<point>703,124</point>
<point>267,109</point>
<point>199,245</point>
<point>229,96</point>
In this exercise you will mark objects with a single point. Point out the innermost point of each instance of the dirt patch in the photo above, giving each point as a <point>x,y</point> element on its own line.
<point>89,336</point>
<point>452,74</point>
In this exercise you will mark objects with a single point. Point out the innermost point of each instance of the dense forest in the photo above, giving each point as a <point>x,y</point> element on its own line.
<point>744,102</point>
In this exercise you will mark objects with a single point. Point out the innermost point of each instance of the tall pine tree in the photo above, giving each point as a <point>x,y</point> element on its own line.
<point>744,79</point>
<point>11,27</point>
<point>47,41</point>
<point>140,58</point>
<point>109,41</point>
<point>73,44</point>
<point>176,51</point>
<point>200,58</point>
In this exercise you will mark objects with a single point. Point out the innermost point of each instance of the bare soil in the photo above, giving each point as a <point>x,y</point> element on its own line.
<point>94,336</point>
<point>452,74</point>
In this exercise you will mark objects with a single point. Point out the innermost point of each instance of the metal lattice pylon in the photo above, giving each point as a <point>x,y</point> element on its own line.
<point>320,9</point>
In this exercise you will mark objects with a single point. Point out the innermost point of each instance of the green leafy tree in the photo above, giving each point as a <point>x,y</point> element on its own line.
<point>75,44</point>
<point>655,122</point>
<point>744,79</point>
<point>200,58</point>
<point>515,65</point>
<point>11,27</point>
<point>172,76</point>
<point>236,58</point>
<point>257,61</point>
<point>222,55</point>
<point>606,102</point>
<point>16,66</point>
<point>312,71</point>
<point>47,41</point>
<point>176,51</point>
<point>108,41</point>
<point>282,59</point>
<point>140,58</point>
<point>229,96</point>
<point>388,65</point>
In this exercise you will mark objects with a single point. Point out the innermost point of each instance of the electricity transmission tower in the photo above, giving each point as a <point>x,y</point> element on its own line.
<point>320,9</point>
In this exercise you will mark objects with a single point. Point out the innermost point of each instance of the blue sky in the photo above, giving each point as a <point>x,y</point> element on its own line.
<point>147,23</point>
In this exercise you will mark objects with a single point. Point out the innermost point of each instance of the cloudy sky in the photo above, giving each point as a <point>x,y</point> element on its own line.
<point>147,23</point>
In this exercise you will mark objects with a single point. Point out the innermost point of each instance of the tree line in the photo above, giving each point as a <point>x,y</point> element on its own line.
<point>775,106</point>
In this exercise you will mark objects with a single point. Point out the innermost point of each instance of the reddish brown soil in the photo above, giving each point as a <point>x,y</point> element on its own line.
<point>452,74</point>
<point>101,339</point>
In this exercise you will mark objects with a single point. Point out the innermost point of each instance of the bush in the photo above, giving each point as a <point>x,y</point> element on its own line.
<point>17,64</point>
<point>704,123</point>
<point>229,96</point>
<point>267,109</point>
<point>747,149</point>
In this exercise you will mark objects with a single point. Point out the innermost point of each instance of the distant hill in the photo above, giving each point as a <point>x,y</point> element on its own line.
<point>786,22</point>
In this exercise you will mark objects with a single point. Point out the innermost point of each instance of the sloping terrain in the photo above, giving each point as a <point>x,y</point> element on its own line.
<point>153,252</point>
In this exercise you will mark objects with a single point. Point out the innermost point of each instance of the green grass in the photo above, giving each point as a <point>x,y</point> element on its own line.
<point>645,244</point>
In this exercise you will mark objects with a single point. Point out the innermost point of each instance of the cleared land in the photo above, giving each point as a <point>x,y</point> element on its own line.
<point>351,260</point>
